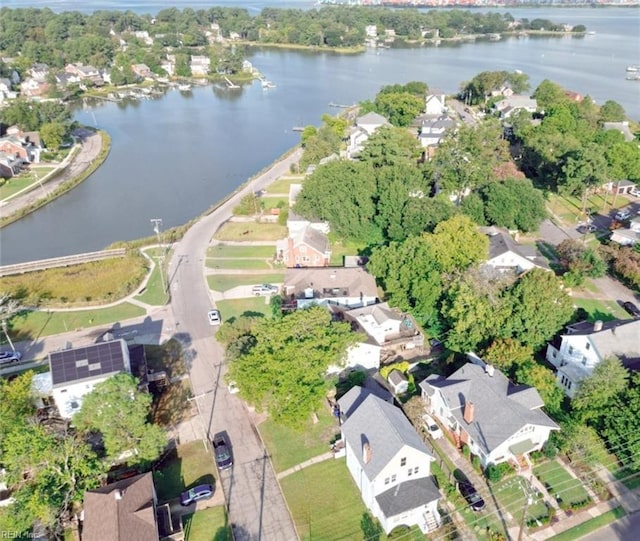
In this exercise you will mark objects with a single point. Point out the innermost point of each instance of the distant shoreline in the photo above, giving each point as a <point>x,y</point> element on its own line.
<point>480,5</point>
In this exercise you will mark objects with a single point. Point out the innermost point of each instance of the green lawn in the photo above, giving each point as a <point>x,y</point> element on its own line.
<point>562,486</point>
<point>511,495</point>
<point>283,183</point>
<point>591,525</point>
<point>188,465</point>
<point>601,310</point>
<point>222,250</point>
<point>340,248</point>
<point>269,203</point>
<point>155,290</point>
<point>30,325</point>
<point>15,184</point>
<point>251,264</point>
<point>231,309</point>
<point>288,447</point>
<point>325,502</point>
<point>224,282</point>
<point>241,231</point>
<point>569,208</point>
<point>207,525</point>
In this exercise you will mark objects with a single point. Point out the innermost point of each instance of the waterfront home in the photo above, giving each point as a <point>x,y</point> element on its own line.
<point>435,103</point>
<point>505,254</point>
<point>365,126</point>
<point>514,103</point>
<point>200,65</point>
<point>142,70</point>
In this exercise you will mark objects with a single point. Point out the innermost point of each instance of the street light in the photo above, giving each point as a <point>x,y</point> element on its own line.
<point>157,222</point>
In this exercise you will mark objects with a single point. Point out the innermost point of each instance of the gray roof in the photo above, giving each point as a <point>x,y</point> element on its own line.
<point>621,339</point>
<point>372,118</point>
<point>383,426</point>
<point>352,399</point>
<point>88,362</point>
<point>408,495</point>
<point>352,280</point>
<point>313,238</point>
<point>441,122</point>
<point>396,377</point>
<point>500,407</point>
<point>500,242</point>
<point>380,312</point>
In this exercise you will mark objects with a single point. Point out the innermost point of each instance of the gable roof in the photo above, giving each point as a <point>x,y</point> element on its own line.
<point>380,424</point>
<point>374,314</point>
<point>371,118</point>
<point>500,242</point>
<point>351,281</point>
<point>616,338</point>
<point>312,238</point>
<point>408,495</point>
<point>90,362</point>
<point>122,511</point>
<point>500,407</point>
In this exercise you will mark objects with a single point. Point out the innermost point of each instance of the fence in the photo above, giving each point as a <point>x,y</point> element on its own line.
<point>42,264</point>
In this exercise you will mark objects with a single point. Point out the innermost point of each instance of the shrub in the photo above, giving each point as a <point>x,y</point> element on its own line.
<point>495,472</point>
<point>466,451</point>
<point>475,462</point>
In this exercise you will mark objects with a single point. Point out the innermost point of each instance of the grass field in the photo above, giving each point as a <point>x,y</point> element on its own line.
<point>240,231</point>
<point>511,495</point>
<point>31,325</point>
<point>15,184</point>
<point>224,282</point>
<point>601,310</point>
<point>268,203</point>
<point>186,466</point>
<point>339,249</point>
<point>569,208</point>
<point>223,250</point>
<point>591,525</point>
<point>560,484</point>
<point>289,447</point>
<point>155,291</point>
<point>232,309</point>
<point>283,183</point>
<point>243,264</point>
<point>207,525</point>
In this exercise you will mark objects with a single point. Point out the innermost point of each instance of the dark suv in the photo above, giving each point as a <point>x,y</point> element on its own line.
<point>222,451</point>
<point>631,308</point>
<point>470,494</point>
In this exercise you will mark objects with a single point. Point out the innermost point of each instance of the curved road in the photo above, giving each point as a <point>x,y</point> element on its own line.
<point>257,510</point>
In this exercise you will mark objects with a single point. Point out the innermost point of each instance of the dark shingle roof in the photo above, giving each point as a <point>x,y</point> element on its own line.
<point>408,495</point>
<point>88,362</point>
<point>121,511</point>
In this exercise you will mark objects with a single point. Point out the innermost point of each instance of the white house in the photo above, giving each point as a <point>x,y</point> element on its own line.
<point>435,103</point>
<point>200,65</point>
<point>498,420</point>
<point>75,372</point>
<point>505,254</point>
<point>389,463</point>
<point>432,131</point>
<point>511,104</point>
<point>365,126</point>
<point>628,236</point>
<point>577,352</point>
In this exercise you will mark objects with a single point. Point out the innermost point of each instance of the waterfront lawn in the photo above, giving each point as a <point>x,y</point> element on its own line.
<point>29,325</point>
<point>209,524</point>
<point>30,178</point>
<point>242,264</point>
<point>283,184</point>
<point>224,282</point>
<point>224,250</point>
<point>601,310</point>
<point>588,526</point>
<point>289,447</point>
<point>154,292</point>
<point>325,502</point>
<point>562,486</point>
<point>184,467</point>
<point>241,231</point>
<point>234,308</point>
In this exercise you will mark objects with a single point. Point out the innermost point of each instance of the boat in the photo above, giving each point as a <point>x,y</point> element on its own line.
<point>184,87</point>
<point>634,77</point>
<point>267,84</point>
<point>633,68</point>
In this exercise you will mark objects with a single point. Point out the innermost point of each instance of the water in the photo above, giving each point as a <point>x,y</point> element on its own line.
<point>175,156</point>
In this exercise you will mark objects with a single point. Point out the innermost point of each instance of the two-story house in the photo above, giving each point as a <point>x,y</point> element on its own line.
<point>584,345</point>
<point>200,65</point>
<point>389,463</point>
<point>435,103</point>
<point>365,126</point>
<point>514,103</point>
<point>506,255</point>
<point>307,243</point>
<point>432,131</point>
<point>142,70</point>
<point>85,74</point>
<point>498,420</point>
<point>628,236</point>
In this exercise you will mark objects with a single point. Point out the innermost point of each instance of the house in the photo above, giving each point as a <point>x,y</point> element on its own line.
<point>628,236</point>
<point>23,145</point>
<point>498,420</point>
<point>10,165</point>
<point>398,381</point>
<point>200,65</point>
<point>39,72</point>
<point>574,96</point>
<point>122,511</point>
<point>620,187</point>
<point>75,372</point>
<point>347,287</point>
<point>389,463</point>
<point>622,127</point>
<point>297,223</point>
<point>142,70</point>
<point>435,103</point>
<point>33,88</point>
<point>505,254</point>
<point>432,131</point>
<point>583,345</point>
<point>143,36</point>
<point>365,126</point>
<point>512,104</point>
<point>85,73</point>
<point>504,91</point>
<point>371,31</point>
<point>307,248</point>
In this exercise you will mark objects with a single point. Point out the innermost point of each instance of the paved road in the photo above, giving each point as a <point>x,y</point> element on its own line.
<point>624,529</point>
<point>90,146</point>
<point>257,508</point>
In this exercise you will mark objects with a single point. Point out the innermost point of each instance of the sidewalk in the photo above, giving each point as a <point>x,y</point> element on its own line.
<point>305,464</point>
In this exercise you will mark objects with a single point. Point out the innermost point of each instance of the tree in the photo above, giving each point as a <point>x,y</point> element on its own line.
<point>612,111</point>
<point>118,411</point>
<point>514,204</point>
<point>53,134</point>
<point>544,380</point>
<point>584,170</point>
<point>548,94</point>
<point>582,444</point>
<point>608,379</point>
<point>580,260</point>
<point>284,372</point>
<point>390,146</point>
<point>400,108</point>
<point>457,244</point>
<point>506,353</point>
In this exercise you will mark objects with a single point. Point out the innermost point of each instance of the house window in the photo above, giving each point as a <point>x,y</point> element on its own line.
<point>393,478</point>
<point>386,481</point>
<point>415,470</point>
<point>409,472</point>
<point>403,462</point>
<point>588,347</point>
<point>303,249</point>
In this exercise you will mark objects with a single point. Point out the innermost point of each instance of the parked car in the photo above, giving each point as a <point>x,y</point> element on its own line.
<point>622,215</point>
<point>195,494</point>
<point>635,191</point>
<point>214,317</point>
<point>9,357</point>
<point>587,228</point>
<point>631,308</point>
<point>265,289</point>
<point>431,427</point>
<point>222,451</point>
<point>470,494</point>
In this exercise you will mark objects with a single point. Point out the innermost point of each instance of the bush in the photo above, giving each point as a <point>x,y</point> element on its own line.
<point>475,462</point>
<point>495,472</point>
<point>466,452</point>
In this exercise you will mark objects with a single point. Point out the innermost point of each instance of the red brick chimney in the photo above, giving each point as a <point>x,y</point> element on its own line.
<point>468,412</point>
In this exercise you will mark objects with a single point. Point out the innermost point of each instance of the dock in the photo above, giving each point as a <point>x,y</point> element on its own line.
<point>340,106</point>
<point>231,84</point>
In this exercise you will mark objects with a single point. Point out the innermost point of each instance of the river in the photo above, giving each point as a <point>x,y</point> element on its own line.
<point>175,156</point>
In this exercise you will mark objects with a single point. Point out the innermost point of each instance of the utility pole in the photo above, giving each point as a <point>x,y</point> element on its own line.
<point>6,333</point>
<point>157,222</point>
<point>527,503</point>
<point>204,429</point>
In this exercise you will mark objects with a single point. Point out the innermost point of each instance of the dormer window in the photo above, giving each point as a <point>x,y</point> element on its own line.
<point>403,462</point>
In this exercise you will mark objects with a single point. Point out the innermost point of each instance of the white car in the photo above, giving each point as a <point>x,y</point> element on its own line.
<point>431,427</point>
<point>214,317</point>
<point>264,289</point>
<point>622,215</point>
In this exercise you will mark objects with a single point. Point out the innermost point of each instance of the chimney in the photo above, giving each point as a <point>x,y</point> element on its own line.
<point>118,494</point>
<point>468,412</point>
<point>597,325</point>
<point>489,369</point>
<point>366,452</point>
